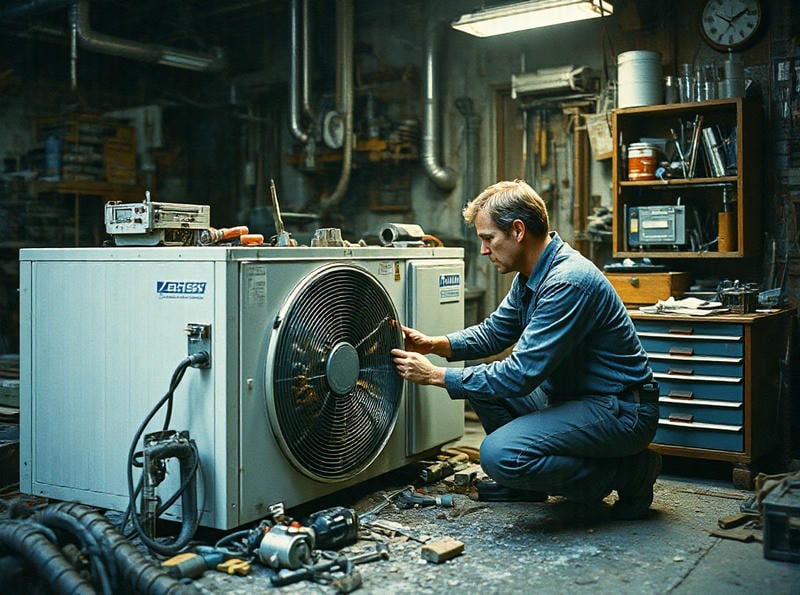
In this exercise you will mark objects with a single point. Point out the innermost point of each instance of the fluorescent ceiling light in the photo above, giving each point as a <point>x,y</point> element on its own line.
<point>530,15</point>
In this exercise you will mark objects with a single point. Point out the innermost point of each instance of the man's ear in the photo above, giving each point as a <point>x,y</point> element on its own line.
<point>518,229</point>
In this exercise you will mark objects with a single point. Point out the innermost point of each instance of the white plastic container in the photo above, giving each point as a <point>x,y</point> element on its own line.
<point>639,79</point>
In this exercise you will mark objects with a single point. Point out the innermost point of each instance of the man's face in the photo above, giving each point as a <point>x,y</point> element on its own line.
<point>501,247</point>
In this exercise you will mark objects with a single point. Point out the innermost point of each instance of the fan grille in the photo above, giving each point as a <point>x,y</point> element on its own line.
<point>336,395</point>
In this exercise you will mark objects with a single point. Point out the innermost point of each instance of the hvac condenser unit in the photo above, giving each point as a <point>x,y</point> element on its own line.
<point>301,398</point>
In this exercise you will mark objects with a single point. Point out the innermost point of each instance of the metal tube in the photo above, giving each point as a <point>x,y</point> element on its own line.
<point>443,176</point>
<point>344,42</point>
<point>294,67</point>
<point>145,52</point>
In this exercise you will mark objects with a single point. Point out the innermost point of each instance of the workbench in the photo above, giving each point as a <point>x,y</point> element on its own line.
<point>722,382</point>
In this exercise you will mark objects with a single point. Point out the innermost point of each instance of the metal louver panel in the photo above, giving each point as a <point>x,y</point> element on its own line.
<point>335,393</point>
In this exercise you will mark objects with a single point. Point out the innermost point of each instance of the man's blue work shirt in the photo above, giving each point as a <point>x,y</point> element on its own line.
<point>573,336</point>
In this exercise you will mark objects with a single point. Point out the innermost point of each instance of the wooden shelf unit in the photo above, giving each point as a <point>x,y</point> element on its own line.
<point>702,194</point>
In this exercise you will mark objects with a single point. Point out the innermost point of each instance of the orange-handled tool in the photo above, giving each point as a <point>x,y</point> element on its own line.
<point>251,239</point>
<point>214,236</point>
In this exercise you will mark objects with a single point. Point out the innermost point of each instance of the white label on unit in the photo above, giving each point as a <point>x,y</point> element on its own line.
<point>255,284</point>
<point>449,287</point>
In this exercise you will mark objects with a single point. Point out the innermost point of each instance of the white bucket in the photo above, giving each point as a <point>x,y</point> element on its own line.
<point>639,80</point>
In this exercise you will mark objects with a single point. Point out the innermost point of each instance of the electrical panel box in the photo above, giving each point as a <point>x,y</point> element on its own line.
<point>663,225</point>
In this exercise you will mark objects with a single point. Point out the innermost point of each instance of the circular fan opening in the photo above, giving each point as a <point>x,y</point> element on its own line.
<point>335,393</point>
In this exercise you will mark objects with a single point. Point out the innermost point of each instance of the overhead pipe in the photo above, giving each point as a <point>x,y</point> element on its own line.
<point>296,64</point>
<point>145,52</point>
<point>443,176</point>
<point>20,10</point>
<point>344,95</point>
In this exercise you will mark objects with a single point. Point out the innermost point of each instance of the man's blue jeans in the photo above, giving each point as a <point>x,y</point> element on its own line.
<point>569,448</point>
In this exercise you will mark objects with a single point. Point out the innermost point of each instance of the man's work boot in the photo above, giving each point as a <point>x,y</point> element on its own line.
<point>491,491</point>
<point>634,485</point>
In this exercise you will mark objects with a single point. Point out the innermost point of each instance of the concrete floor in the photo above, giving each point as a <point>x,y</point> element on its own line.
<point>556,546</point>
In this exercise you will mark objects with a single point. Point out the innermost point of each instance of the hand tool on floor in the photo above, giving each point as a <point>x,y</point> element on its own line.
<point>410,498</point>
<point>191,565</point>
<point>441,469</point>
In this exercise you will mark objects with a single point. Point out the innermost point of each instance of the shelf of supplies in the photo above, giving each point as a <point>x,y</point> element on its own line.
<point>693,182</point>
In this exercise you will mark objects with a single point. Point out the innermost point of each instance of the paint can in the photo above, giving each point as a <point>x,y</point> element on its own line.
<point>639,80</point>
<point>642,161</point>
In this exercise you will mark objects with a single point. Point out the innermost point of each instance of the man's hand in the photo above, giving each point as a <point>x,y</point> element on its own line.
<point>423,344</point>
<point>417,368</point>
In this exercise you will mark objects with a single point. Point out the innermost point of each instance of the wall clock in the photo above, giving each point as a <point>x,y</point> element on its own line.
<point>730,24</point>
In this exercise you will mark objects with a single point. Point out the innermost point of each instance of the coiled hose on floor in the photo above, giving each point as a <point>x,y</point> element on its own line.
<point>117,565</point>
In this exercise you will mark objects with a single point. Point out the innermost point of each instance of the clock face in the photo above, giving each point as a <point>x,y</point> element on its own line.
<point>730,24</point>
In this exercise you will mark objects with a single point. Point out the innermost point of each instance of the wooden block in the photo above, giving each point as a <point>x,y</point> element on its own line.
<point>442,550</point>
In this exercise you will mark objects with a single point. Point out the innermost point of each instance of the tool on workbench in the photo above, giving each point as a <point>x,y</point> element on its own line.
<point>213,235</point>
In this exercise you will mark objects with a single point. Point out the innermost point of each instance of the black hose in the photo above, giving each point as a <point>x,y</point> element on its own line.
<point>97,562</point>
<point>130,512</point>
<point>187,455</point>
<point>28,541</point>
<point>132,565</point>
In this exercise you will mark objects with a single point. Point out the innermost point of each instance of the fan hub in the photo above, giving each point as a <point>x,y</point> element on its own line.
<point>342,368</point>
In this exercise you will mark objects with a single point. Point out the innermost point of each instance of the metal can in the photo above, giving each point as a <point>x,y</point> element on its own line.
<point>642,161</point>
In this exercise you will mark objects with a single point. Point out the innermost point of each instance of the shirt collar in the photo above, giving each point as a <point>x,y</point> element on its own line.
<point>545,261</point>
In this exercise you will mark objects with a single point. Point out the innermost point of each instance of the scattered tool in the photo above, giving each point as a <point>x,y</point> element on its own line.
<point>191,565</point>
<point>282,238</point>
<point>441,469</point>
<point>381,552</point>
<point>215,236</point>
<point>235,566</point>
<point>410,498</point>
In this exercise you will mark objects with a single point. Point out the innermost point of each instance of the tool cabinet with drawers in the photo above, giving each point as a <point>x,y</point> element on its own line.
<point>721,391</point>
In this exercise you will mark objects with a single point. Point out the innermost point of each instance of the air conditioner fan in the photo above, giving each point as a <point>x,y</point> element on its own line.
<point>335,393</point>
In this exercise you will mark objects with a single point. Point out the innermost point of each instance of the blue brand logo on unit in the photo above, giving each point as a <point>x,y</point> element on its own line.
<point>181,289</point>
<point>452,280</point>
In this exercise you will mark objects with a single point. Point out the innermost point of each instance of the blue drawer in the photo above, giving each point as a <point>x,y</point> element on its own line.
<point>686,338</point>
<point>690,435</point>
<point>691,345</point>
<point>676,328</point>
<point>701,412</point>
<point>695,367</point>
<point>700,389</point>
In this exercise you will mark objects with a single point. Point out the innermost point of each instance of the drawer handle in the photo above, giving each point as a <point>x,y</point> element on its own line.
<point>681,371</point>
<point>684,418</point>
<point>681,350</point>
<point>685,395</point>
<point>634,281</point>
<point>681,331</point>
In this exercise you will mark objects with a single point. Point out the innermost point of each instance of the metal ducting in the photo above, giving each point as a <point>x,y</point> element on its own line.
<point>31,8</point>
<point>146,52</point>
<point>298,85</point>
<point>443,176</point>
<point>344,95</point>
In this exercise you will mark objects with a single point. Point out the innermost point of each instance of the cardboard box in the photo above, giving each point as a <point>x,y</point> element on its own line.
<point>639,289</point>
